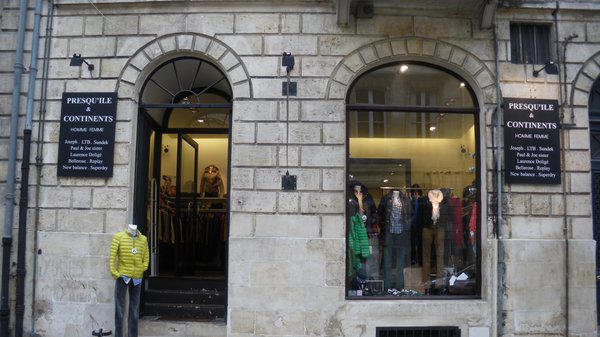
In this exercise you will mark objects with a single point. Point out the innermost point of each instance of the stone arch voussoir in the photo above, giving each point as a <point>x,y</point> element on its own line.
<point>583,82</point>
<point>157,51</point>
<point>440,53</point>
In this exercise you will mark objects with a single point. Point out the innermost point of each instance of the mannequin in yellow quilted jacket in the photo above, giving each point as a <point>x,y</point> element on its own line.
<point>129,259</point>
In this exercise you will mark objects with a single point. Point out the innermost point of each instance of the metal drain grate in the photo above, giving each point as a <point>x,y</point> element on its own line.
<point>430,331</point>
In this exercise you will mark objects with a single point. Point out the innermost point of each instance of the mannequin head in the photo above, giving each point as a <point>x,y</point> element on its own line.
<point>396,194</point>
<point>132,229</point>
<point>211,184</point>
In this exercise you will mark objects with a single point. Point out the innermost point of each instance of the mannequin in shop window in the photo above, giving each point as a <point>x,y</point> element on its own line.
<point>436,217</point>
<point>167,187</point>
<point>168,190</point>
<point>129,259</point>
<point>362,206</point>
<point>360,193</point>
<point>211,184</point>
<point>358,241</point>
<point>395,214</point>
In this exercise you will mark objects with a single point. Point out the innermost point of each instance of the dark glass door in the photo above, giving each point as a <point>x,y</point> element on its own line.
<point>186,204</point>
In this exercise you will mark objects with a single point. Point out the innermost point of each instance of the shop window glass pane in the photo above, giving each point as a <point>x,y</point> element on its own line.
<point>595,146</point>
<point>412,201</point>
<point>417,85</point>
<point>594,102</point>
<point>198,118</point>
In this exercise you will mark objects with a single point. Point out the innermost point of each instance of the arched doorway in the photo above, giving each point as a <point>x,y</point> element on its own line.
<point>594,117</point>
<point>181,183</point>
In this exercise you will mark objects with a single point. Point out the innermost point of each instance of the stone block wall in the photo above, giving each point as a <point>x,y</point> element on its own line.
<point>539,219</point>
<point>287,249</point>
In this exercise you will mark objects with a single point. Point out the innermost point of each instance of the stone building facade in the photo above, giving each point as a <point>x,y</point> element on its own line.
<point>286,250</point>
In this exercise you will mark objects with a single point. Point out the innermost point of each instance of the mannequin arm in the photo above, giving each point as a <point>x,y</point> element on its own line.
<point>146,259</point>
<point>114,251</point>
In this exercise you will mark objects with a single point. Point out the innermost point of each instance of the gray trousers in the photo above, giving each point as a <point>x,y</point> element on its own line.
<point>121,290</point>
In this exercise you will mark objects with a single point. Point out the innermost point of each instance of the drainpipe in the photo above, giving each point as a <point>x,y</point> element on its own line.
<point>501,267</point>
<point>564,127</point>
<point>10,176</point>
<point>23,201</point>
<point>565,223</point>
<point>562,84</point>
<point>39,155</point>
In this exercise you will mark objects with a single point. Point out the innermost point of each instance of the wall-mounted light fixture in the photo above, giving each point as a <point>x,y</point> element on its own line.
<point>77,61</point>
<point>287,61</point>
<point>550,67</point>
<point>288,88</point>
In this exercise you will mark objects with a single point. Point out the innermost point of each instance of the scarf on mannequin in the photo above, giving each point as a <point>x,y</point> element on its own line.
<point>435,197</point>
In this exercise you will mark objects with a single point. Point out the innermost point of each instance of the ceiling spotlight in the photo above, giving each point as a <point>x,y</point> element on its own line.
<point>200,120</point>
<point>432,128</point>
<point>385,180</point>
<point>462,85</point>
<point>403,68</point>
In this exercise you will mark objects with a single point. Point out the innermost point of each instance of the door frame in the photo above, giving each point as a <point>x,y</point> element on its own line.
<point>594,130</point>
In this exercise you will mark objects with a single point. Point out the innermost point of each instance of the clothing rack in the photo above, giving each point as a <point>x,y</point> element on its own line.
<point>414,188</point>
<point>398,188</point>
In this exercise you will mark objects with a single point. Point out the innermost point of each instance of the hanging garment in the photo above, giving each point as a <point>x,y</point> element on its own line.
<point>400,214</point>
<point>435,198</point>
<point>358,242</point>
<point>457,227</point>
<point>473,225</point>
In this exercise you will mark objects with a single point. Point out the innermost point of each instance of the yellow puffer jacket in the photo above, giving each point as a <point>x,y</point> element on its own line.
<point>122,259</point>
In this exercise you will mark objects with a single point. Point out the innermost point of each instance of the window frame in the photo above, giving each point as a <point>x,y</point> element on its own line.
<point>475,111</point>
<point>517,56</point>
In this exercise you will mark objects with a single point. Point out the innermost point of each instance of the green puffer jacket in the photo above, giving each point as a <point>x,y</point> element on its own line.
<point>122,259</point>
<point>358,242</point>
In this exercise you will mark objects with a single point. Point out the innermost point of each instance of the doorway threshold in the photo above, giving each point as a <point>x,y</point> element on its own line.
<point>163,326</point>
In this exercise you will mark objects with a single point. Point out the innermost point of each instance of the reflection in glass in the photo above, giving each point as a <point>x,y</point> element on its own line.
<point>413,211</point>
<point>419,85</point>
<point>187,167</point>
<point>196,118</point>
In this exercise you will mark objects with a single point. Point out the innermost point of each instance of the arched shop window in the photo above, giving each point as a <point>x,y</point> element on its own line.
<point>594,118</point>
<point>413,191</point>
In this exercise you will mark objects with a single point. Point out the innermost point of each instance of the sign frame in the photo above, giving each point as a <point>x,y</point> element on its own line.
<point>531,141</point>
<point>87,134</point>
